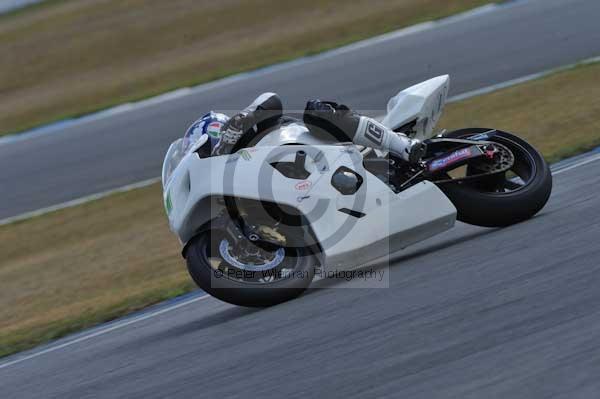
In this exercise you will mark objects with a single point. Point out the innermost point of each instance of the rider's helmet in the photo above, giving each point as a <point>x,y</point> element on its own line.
<point>210,125</point>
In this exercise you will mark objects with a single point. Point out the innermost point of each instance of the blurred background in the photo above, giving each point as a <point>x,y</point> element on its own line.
<point>65,58</point>
<point>84,238</point>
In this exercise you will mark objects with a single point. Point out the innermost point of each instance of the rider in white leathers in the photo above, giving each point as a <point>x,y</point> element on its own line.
<point>335,119</point>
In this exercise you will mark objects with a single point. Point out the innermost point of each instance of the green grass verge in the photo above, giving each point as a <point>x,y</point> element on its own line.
<point>92,263</point>
<point>559,113</point>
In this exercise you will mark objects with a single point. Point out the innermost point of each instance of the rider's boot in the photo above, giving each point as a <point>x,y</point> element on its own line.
<point>371,133</point>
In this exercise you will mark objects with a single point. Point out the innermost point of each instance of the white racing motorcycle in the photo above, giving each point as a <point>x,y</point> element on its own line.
<point>256,225</point>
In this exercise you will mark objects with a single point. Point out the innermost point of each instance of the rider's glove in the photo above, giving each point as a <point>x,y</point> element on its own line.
<point>232,131</point>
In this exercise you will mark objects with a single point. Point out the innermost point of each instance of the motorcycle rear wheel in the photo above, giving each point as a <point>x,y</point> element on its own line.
<point>502,200</point>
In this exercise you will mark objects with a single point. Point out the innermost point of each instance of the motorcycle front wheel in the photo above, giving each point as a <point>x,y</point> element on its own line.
<point>237,271</point>
<point>506,198</point>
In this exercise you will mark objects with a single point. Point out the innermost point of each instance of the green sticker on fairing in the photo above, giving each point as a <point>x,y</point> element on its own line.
<point>245,155</point>
<point>168,203</point>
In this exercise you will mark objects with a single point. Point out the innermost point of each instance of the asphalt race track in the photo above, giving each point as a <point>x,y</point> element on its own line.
<point>515,40</point>
<point>474,313</point>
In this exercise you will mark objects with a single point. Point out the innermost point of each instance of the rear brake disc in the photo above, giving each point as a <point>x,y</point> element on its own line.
<point>497,159</point>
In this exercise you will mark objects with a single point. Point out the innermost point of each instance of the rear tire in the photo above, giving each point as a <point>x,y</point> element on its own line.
<point>498,209</point>
<point>242,293</point>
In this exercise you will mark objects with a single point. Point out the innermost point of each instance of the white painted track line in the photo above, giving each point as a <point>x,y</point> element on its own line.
<point>585,161</point>
<point>523,79</point>
<point>115,326</point>
<point>145,316</point>
<point>78,201</point>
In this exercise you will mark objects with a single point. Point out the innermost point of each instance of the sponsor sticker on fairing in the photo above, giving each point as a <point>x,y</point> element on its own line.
<point>374,133</point>
<point>303,185</point>
<point>456,156</point>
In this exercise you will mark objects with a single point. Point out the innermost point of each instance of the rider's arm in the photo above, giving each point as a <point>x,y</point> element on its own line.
<point>237,133</point>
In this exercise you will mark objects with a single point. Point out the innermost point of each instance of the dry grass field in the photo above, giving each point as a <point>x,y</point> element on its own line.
<point>65,57</point>
<point>73,268</point>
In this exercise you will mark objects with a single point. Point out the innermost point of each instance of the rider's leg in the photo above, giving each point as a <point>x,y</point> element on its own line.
<point>345,125</point>
<point>371,133</point>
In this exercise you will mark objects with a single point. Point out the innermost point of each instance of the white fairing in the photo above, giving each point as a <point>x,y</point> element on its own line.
<point>293,133</point>
<point>172,159</point>
<point>391,221</point>
<point>422,103</point>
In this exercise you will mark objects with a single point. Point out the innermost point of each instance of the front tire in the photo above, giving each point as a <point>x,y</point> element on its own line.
<point>229,283</point>
<point>500,202</point>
